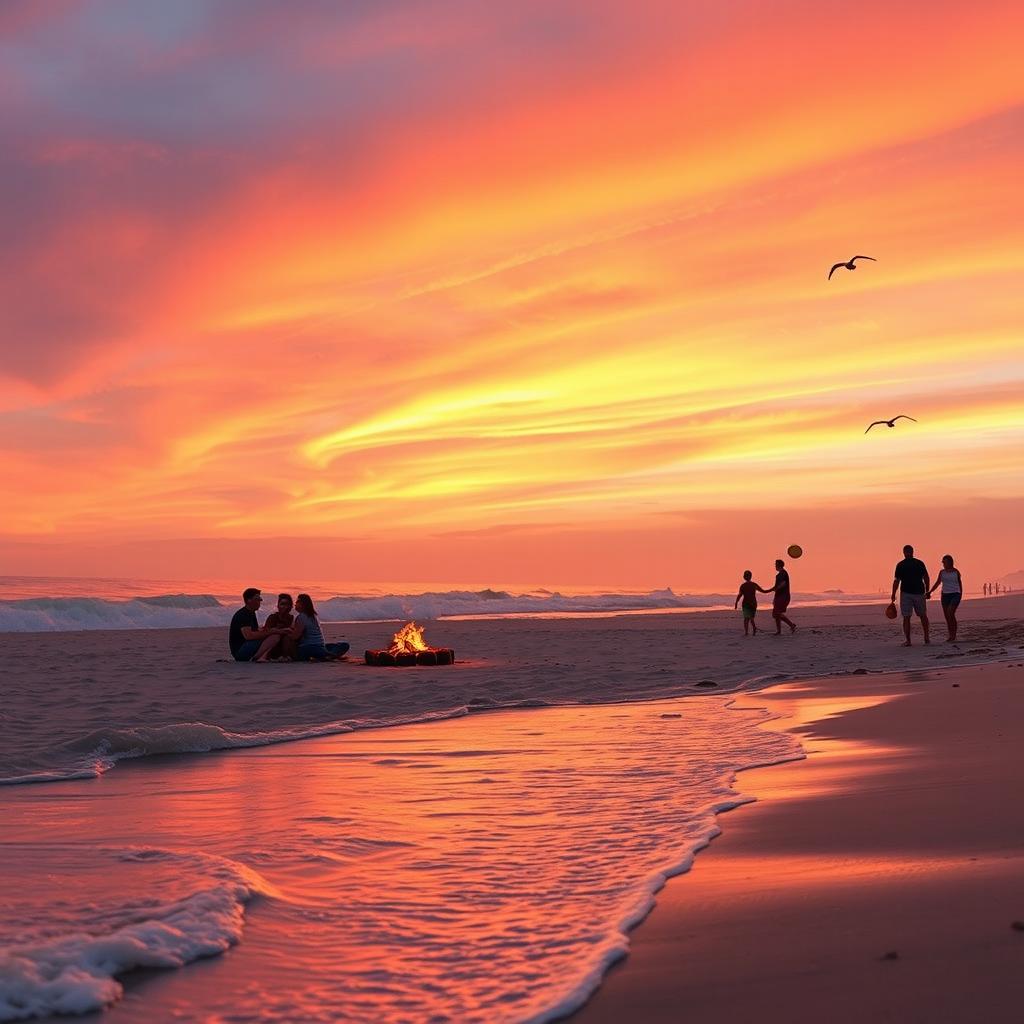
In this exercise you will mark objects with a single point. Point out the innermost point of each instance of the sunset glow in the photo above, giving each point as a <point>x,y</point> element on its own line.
<point>539,289</point>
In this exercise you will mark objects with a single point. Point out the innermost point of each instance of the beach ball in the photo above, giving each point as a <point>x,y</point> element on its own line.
<point>890,611</point>
<point>794,551</point>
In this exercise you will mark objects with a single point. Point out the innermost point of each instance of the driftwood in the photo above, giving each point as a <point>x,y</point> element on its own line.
<point>432,656</point>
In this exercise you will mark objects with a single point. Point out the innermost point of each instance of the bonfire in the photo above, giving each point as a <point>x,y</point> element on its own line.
<point>409,648</point>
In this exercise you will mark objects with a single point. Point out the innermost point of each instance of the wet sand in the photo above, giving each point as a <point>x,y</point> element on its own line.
<point>879,879</point>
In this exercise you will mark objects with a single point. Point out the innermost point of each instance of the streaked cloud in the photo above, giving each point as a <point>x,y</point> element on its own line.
<point>351,269</point>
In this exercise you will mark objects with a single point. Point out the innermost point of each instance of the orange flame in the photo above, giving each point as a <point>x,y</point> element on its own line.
<point>408,640</point>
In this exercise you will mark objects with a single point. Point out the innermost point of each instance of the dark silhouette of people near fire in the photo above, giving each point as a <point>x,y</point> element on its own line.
<point>284,636</point>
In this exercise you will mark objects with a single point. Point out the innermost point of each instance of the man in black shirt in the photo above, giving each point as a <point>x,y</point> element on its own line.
<point>780,602</point>
<point>911,577</point>
<point>245,638</point>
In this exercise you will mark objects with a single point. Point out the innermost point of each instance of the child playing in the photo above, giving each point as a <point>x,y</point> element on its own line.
<point>748,593</point>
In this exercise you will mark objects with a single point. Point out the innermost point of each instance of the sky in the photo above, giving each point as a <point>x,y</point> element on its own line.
<point>510,292</point>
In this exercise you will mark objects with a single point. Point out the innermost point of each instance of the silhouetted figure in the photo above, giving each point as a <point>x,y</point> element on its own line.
<point>850,264</point>
<point>245,638</point>
<point>890,423</point>
<point>952,584</point>
<point>306,632</point>
<point>781,598</point>
<point>748,594</point>
<point>911,576</point>
<point>282,621</point>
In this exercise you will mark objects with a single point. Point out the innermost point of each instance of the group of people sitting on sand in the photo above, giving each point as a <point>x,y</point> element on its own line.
<point>284,636</point>
<point>910,578</point>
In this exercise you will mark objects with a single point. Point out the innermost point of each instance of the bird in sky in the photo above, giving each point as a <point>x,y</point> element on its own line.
<point>892,422</point>
<point>849,264</point>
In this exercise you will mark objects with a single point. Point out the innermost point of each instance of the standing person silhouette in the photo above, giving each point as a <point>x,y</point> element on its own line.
<point>911,577</point>
<point>952,584</point>
<point>781,598</point>
<point>748,594</point>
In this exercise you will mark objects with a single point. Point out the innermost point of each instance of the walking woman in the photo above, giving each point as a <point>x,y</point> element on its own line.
<point>952,584</point>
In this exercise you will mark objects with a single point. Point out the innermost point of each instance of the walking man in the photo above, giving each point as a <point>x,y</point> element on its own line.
<point>781,598</point>
<point>911,577</point>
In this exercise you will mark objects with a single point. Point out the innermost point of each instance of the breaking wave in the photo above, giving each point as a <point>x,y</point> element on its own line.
<point>170,611</point>
<point>65,957</point>
<point>97,752</point>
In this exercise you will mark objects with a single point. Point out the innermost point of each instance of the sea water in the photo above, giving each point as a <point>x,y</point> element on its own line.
<point>37,604</point>
<point>477,869</point>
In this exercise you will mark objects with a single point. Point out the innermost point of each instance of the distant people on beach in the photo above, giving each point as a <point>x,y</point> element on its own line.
<point>911,578</point>
<point>780,598</point>
<point>283,637</point>
<point>952,584</point>
<point>748,595</point>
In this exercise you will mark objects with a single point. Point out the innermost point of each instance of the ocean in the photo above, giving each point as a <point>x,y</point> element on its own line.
<point>34,604</point>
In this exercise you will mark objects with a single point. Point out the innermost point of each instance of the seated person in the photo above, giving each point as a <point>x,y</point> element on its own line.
<point>283,619</point>
<point>309,635</point>
<point>245,638</point>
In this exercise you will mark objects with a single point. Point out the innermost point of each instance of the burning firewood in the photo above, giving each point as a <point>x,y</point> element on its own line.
<point>409,648</point>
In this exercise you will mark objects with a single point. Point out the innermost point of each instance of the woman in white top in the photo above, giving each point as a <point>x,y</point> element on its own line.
<point>949,578</point>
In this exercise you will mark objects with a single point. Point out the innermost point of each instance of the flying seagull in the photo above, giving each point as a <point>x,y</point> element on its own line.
<point>850,264</point>
<point>892,422</point>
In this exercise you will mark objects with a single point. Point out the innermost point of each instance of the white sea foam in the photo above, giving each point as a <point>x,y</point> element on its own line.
<point>73,966</point>
<point>404,866</point>
<point>42,614</point>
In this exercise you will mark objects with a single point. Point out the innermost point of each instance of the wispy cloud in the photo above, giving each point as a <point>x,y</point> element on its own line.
<point>350,268</point>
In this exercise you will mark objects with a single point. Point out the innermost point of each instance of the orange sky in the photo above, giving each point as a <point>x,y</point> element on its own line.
<point>534,294</point>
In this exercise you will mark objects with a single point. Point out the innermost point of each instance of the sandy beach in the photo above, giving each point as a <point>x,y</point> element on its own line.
<point>76,702</point>
<point>879,879</point>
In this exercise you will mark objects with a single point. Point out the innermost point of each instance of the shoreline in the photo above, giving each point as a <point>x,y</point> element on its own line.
<point>78,702</point>
<point>877,878</point>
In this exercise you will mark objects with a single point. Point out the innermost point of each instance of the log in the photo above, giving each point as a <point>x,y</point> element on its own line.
<point>433,656</point>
